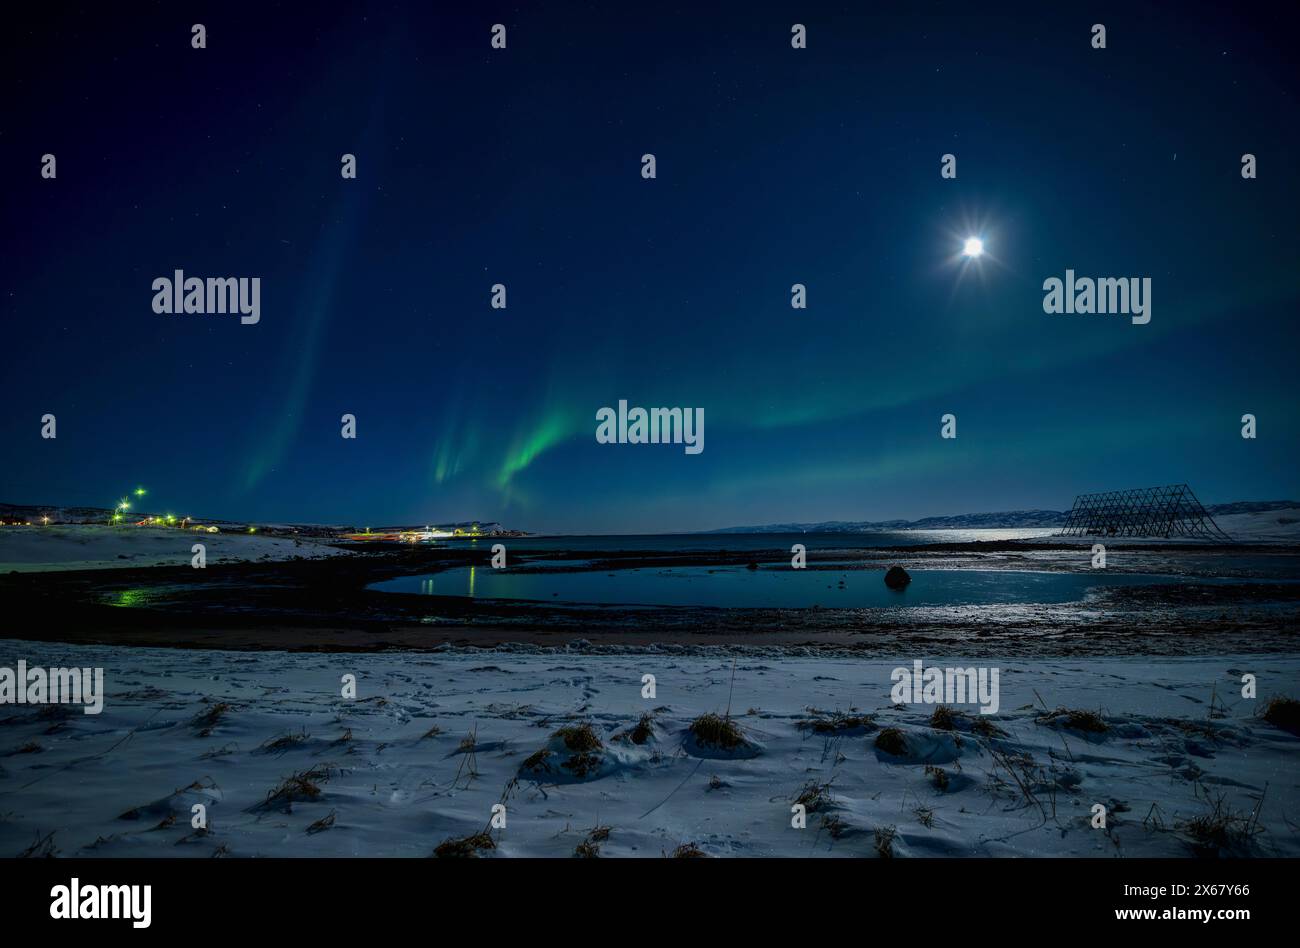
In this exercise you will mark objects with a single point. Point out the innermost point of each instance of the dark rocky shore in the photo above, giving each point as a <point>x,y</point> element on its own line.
<point>324,605</point>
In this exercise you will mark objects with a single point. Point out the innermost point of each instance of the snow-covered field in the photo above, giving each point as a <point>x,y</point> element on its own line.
<point>433,740</point>
<point>1275,526</point>
<point>99,546</point>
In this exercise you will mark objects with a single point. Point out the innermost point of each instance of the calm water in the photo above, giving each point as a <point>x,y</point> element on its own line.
<point>741,542</point>
<point>767,587</point>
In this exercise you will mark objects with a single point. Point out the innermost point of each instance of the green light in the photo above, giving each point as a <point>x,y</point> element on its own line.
<point>130,598</point>
<point>550,431</point>
<point>140,492</point>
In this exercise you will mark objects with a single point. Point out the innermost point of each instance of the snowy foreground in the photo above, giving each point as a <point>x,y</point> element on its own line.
<point>91,546</point>
<point>433,740</point>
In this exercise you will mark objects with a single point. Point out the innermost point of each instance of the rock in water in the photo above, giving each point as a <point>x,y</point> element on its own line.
<point>897,577</point>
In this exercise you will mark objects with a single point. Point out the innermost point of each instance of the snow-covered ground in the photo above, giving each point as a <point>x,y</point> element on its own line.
<point>99,546</point>
<point>1281,526</point>
<point>433,740</point>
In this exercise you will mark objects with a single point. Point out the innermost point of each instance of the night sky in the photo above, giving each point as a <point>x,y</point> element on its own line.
<point>523,166</point>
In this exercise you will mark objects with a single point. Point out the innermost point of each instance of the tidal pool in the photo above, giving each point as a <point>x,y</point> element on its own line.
<point>768,587</point>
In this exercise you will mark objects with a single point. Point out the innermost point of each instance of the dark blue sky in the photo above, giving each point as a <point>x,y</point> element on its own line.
<point>522,166</point>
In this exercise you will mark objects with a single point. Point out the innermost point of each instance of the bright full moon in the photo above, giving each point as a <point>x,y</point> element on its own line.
<point>973,247</point>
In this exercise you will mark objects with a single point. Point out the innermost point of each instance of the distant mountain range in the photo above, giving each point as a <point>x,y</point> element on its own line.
<point>1007,519</point>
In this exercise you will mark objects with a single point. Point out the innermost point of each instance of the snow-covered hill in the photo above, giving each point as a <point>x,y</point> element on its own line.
<point>98,546</point>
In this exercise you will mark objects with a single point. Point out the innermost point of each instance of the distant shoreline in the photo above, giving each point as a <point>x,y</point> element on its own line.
<point>325,604</point>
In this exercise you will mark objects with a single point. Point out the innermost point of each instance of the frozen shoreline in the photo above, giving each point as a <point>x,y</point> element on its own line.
<point>39,549</point>
<point>389,787</point>
<point>60,547</point>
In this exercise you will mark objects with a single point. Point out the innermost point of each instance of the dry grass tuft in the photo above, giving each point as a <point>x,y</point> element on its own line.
<point>1222,830</point>
<point>715,730</point>
<point>579,738</point>
<point>944,718</point>
<point>466,847</point>
<point>835,826</point>
<point>1284,713</point>
<point>205,721</point>
<point>580,765</point>
<point>585,758</point>
<point>1193,728</point>
<point>285,742</point>
<point>1089,722</point>
<point>324,823</point>
<point>892,741</point>
<point>644,729</point>
<point>537,761</point>
<point>938,776</point>
<point>42,847</point>
<point>300,786</point>
<point>984,727</point>
<point>884,841</point>
<point>815,796</point>
<point>589,848</point>
<point>836,722</point>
